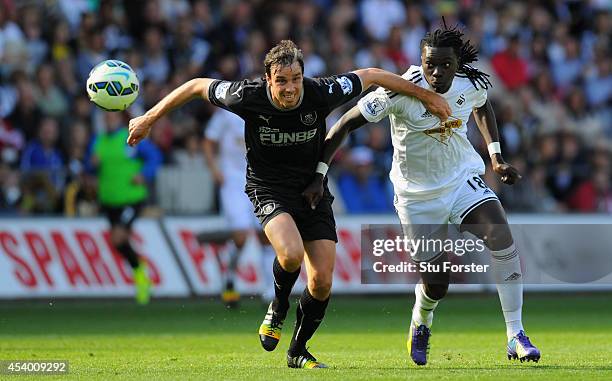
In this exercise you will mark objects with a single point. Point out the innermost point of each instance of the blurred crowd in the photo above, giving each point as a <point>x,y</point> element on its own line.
<point>549,62</point>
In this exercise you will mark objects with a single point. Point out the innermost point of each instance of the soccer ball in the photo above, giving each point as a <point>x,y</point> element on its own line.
<point>112,85</point>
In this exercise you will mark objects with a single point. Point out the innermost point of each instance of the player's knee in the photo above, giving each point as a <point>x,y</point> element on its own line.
<point>498,237</point>
<point>239,237</point>
<point>290,256</point>
<point>320,286</point>
<point>436,291</point>
<point>118,236</point>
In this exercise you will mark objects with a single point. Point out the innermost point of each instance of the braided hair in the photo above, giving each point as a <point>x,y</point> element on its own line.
<point>466,53</point>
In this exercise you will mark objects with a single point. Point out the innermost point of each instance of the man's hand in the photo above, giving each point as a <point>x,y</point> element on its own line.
<point>138,179</point>
<point>436,105</point>
<point>218,176</point>
<point>139,129</point>
<point>509,174</point>
<point>314,192</point>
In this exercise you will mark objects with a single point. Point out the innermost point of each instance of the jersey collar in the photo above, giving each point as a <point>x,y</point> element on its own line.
<point>284,109</point>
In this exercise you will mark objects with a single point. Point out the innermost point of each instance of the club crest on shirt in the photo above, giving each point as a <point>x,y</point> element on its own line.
<point>461,100</point>
<point>444,131</point>
<point>345,84</point>
<point>268,208</point>
<point>309,118</point>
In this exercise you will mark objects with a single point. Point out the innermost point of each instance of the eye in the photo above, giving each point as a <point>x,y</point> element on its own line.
<point>447,65</point>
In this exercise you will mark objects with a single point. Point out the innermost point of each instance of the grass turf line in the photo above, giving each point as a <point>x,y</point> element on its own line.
<point>360,338</point>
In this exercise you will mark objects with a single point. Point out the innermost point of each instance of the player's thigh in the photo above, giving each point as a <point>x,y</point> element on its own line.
<point>319,261</point>
<point>285,238</point>
<point>424,220</point>
<point>477,209</point>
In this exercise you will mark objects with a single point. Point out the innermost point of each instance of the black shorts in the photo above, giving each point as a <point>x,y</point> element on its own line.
<point>122,215</point>
<point>312,224</point>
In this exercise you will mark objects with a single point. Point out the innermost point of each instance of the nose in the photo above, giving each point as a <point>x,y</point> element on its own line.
<point>437,73</point>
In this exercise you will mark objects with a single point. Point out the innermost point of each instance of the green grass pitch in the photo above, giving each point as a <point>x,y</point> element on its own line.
<point>362,338</point>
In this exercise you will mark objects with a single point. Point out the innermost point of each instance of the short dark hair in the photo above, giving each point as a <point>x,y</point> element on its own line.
<point>466,53</point>
<point>283,54</point>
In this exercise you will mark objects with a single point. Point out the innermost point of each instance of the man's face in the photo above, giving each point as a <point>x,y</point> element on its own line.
<point>439,66</point>
<point>113,120</point>
<point>285,84</point>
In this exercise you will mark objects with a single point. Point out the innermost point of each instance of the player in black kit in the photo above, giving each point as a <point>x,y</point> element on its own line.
<point>284,116</point>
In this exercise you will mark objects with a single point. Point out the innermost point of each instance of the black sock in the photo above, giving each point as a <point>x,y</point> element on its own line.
<point>283,283</point>
<point>309,314</point>
<point>128,252</point>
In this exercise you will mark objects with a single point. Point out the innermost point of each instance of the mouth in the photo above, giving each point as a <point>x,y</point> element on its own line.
<point>288,97</point>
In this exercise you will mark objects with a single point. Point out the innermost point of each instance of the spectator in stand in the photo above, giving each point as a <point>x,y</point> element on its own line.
<point>510,66</point>
<point>379,16</point>
<point>43,157</point>
<point>593,195</point>
<point>49,98</point>
<point>364,192</point>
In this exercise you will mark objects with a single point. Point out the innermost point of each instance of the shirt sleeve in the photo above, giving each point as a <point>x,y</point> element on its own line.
<point>339,89</point>
<point>377,105</point>
<point>227,95</point>
<point>479,97</point>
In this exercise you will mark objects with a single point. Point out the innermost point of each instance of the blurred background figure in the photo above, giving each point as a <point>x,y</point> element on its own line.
<point>225,152</point>
<point>124,176</point>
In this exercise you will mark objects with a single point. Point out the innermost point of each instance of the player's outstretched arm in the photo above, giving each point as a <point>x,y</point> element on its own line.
<point>485,119</point>
<point>351,120</point>
<point>139,127</point>
<point>430,99</point>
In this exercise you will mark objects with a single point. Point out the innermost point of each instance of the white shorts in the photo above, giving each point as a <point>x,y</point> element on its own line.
<point>430,218</point>
<point>237,208</point>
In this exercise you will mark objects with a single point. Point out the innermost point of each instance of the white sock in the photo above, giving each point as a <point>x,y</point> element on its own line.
<point>424,306</point>
<point>267,263</point>
<point>506,270</point>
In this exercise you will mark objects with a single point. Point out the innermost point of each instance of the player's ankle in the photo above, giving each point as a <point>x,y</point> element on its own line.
<point>280,306</point>
<point>296,349</point>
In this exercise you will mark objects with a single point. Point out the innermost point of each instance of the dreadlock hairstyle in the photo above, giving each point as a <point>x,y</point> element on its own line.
<point>466,53</point>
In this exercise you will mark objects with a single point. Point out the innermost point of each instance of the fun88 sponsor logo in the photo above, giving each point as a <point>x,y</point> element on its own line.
<point>274,137</point>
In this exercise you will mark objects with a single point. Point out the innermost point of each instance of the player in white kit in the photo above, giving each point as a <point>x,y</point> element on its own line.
<point>436,177</point>
<point>225,153</point>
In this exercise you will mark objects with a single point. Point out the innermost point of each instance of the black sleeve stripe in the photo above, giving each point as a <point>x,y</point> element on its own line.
<point>416,79</point>
<point>390,93</point>
<point>417,74</point>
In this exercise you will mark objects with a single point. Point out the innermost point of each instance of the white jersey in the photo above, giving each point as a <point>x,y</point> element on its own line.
<point>428,157</point>
<point>227,129</point>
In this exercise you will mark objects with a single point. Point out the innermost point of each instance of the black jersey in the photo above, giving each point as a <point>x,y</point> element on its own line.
<point>284,146</point>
